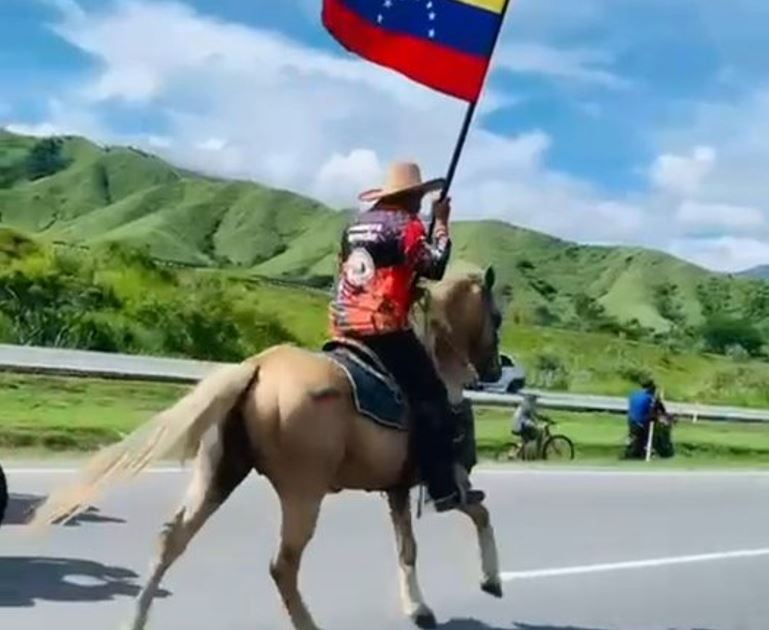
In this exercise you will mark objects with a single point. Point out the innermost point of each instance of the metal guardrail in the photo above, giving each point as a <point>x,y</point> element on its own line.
<point>611,404</point>
<point>29,359</point>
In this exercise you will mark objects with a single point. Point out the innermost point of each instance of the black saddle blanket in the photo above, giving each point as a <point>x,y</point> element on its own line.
<point>375,391</point>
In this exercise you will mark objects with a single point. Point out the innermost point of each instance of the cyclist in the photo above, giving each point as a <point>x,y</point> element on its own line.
<point>526,424</point>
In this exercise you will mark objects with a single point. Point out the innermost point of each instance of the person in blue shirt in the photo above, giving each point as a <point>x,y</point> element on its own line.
<point>642,406</point>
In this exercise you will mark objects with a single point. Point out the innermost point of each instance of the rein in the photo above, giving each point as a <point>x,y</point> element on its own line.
<point>425,303</point>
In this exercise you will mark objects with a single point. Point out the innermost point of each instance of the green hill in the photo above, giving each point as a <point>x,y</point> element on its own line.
<point>761,272</point>
<point>112,299</point>
<point>70,190</point>
<point>67,189</point>
<point>556,282</point>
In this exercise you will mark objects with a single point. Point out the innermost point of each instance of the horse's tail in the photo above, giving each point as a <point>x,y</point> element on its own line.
<point>175,432</point>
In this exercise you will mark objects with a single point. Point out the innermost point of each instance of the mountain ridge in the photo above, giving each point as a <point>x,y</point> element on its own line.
<point>70,190</point>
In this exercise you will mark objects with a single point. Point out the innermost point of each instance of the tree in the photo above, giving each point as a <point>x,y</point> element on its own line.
<point>45,159</point>
<point>668,304</point>
<point>721,332</point>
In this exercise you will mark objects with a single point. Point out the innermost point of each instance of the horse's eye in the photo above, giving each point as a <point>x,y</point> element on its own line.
<point>496,319</point>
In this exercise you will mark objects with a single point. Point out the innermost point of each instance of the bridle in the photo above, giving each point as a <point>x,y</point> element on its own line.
<point>429,338</point>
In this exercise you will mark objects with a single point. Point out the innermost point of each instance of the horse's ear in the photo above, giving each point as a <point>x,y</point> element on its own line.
<point>490,278</point>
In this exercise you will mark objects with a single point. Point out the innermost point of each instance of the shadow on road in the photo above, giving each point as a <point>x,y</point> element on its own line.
<point>25,581</point>
<point>474,624</point>
<point>21,507</point>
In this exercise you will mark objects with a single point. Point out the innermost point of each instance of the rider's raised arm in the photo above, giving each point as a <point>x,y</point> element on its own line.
<point>428,259</point>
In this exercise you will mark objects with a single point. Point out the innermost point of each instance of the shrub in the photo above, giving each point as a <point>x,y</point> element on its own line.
<point>45,159</point>
<point>118,300</point>
<point>667,303</point>
<point>550,371</point>
<point>7,332</point>
<point>737,353</point>
<point>543,316</point>
<point>721,332</point>
<point>633,372</point>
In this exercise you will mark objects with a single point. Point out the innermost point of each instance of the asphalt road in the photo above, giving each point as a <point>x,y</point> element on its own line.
<point>580,551</point>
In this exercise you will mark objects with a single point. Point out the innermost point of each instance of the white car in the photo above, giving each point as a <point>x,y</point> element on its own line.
<point>513,378</point>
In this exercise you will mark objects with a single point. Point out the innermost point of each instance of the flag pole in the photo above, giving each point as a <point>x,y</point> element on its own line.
<point>463,132</point>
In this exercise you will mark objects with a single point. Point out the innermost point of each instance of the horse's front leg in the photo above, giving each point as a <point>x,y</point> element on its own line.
<point>411,595</point>
<point>491,583</point>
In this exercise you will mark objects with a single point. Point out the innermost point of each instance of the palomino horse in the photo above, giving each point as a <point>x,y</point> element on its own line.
<point>289,413</point>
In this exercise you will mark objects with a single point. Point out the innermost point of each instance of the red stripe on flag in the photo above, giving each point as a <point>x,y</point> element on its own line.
<point>441,68</point>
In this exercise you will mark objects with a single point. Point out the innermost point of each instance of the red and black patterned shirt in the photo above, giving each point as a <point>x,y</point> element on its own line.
<point>382,255</point>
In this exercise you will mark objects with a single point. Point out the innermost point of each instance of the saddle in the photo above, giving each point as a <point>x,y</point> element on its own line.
<point>376,393</point>
<point>378,397</point>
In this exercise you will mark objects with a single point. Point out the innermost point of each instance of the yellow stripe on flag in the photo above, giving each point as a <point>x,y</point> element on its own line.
<point>495,6</point>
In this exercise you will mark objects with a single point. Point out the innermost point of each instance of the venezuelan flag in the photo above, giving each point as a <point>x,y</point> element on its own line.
<point>444,44</point>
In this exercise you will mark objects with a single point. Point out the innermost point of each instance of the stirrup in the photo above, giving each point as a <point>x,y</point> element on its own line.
<point>458,500</point>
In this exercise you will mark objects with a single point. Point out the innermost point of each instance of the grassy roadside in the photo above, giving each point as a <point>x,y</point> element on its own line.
<point>592,363</point>
<point>71,414</point>
<point>53,415</point>
<point>598,439</point>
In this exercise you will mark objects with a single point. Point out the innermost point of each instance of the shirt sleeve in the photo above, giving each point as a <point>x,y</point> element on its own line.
<point>428,259</point>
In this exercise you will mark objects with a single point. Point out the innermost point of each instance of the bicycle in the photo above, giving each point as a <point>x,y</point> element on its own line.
<point>551,447</point>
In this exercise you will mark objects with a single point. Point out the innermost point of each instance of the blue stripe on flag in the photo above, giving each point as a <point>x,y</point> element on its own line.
<point>452,23</point>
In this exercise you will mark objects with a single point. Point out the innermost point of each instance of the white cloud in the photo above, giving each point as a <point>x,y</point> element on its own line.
<point>543,20</point>
<point>343,177</point>
<point>248,103</point>
<point>323,124</point>
<point>159,142</point>
<point>146,48</point>
<point>37,129</point>
<point>579,65</point>
<point>727,253</point>
<point>683,175</point>
<point>68,8</point>
<point>739,131</point>
<point>212,144</point>
<point>64,118</point>
<point>723,217</point>
<point>722,186</point>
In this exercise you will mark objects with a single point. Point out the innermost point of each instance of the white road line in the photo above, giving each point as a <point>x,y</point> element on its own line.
<point>509,576</point>
<point>596,472</point>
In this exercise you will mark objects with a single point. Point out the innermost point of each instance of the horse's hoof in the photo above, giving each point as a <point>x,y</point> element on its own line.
<point>424,619</point>
<point>492,588</point>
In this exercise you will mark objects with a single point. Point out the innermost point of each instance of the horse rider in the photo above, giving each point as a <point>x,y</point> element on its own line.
<point>382,255</point>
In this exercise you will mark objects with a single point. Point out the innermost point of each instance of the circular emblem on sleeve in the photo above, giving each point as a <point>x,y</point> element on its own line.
<point>359,269</point>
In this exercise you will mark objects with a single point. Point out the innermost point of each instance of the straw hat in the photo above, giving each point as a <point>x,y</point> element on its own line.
<point>402,177</point>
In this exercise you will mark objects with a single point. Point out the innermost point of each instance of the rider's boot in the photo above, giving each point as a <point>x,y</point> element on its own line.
<point>435,455</point>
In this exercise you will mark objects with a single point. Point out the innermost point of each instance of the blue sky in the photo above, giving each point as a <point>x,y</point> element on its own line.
<point>608,121</point>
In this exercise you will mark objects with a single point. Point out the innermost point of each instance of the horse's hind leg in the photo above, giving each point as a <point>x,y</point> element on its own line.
<point>491,584</point>
<point>300,515</point>
<point>221,464</point>
<point>411,595</point>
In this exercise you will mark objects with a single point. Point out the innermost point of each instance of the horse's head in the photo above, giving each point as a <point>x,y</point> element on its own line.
<point>466,323</point>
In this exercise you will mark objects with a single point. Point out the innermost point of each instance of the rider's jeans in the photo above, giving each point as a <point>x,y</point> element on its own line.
<point>407,359</point>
